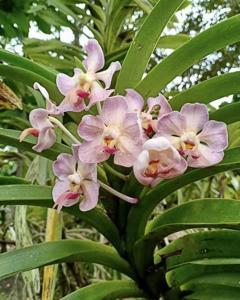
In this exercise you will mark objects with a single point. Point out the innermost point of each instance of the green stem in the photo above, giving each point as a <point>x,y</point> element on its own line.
<point>114,172</point>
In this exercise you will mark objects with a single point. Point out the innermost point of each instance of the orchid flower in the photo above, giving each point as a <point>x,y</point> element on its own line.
<point>84,85</point>
<point>42,128</point>
<point>77,181</point>
<point>156,108</point>
<point>159,160</point>
<point>196,138</point>
<point>114,132</point>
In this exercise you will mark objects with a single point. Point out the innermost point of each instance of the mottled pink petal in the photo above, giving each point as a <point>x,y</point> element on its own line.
<point>90,127</point>
<point>46,139</point>
<point>91,193</point>
<point>215,135</point>
<point>165,107</point>
<point>87,171</point>
<point>134,100</point>
<point>92,152</point>
<point>95,57</point>
<point>196,115</point>
<point>114,110</point>
<point>139,167</point>
<point>98,94</point>
<point>107,75</point>
<point>39,119</point>
<point>131,126</point>
<point>64,165</point>
<point>66,83</point>
<point>206,157</point>
<point>158,144</point>
<point>171,124</point>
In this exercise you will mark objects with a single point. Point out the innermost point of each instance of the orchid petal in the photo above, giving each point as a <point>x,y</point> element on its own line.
<point>171,124</point>
<point>206,157</point>
<point>92,152</point>
<point>27,132</point>
<point>215,135</point>
<point>139,166</point>
<point>72,102</point>
<point>165,107</point>
<point>39,118</point>
<point>46,139</point>
<point>90,127</point>
<point>131,127</point>
<point>95,57</point>
<point>87,171</point>
<point>196,115</point>
<point>98,94</point>
<point>114,110</point>
<point>64,165</point>
<point>134,100</point>
<point>91,193</point>
<point>107,75</point>
<point>65,83</point>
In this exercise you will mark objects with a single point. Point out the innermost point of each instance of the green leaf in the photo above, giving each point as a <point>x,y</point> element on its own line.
<point>209,90</point>
<point>144,44</point>
<point>217,292</point>
<point>229,113</point>
<point>42,196</point>
<point>12,180</point>
<point>27,64</point>
<point>139,214</point>
<point>28,77</point>
<point>11,137</point>
<point>61,251</point>
<point>204,213</point>
<point>216,37</point>
<point>173,41</point>
<point>112,289</point>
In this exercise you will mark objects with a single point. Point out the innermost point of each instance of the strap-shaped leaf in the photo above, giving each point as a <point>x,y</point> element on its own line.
<point>139,214</point>
<point>61,251</point>
<point>144,44</point>
<point>11,137</point>
<point>208,90</point>
<point>28,77</point>
<point>229,113</point>
<point>42,196</point>
<point>109,290</point>
<point>12,180</point>
<point>216,292</point>
<point>218,36</point>
<point>204,213</point>
<point>27,64</point>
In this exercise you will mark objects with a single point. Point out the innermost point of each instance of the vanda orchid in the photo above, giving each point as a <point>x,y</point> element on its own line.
<point>133,158</point>
<point>84,87</point>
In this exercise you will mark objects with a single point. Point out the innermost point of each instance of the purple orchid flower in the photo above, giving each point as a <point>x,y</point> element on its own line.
<point>85,86</point>
<point>159,160</point>
<point>156,108</point>
<point>77,181</point>
<point>42,128</point>
<point>114,132</point>
<point>199,140</point>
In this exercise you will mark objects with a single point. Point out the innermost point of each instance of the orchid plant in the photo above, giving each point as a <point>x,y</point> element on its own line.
<point>127,149</point>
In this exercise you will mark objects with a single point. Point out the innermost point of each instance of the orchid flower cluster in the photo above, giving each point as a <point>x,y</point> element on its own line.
<point>155,141</point>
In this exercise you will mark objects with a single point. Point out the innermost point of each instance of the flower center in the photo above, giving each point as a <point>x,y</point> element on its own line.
<point>155,111</point>
<point>85,81</point>
<point>152,169</point>
<point>146,121</point>
<point>110,139</point>
<point>188,142</point>
<point>75,183</point>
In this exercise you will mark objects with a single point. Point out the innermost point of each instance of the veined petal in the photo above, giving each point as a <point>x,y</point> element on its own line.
<point>87,171</point>
<point>165,107</point>
<point>39,119</point>
<point>72,102</point>
<point>196,115</point>
<point>95,57</point>
<point>98,94</point>
<point>66,83</point>
<point>64,165</point>
<point>91,193</point>
<point>134,100</point>
<point>206,157</point>
<point>158,144</point>
<point>46,139</point>
<point>107,75</point>
<point>171,124</point>
<point>131,126</point>
<point>215,135</point>
<point>114,110</point>
<point>90,127</point>
<point>139,167</point>
<point>92,152</point>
